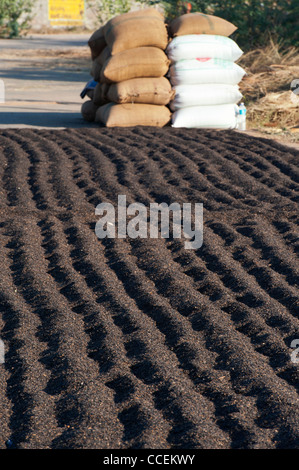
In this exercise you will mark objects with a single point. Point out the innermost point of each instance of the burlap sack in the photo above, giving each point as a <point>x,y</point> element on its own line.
<point>98,63</point>
<point>90,93</point>
<point>105,54</point>
<point>97,43</point>
<point>198,23</point>
<point>129,115</point>
<point>100,94</point>
<point>135,63</point>
<point>88,110</point>
<point>95,70</point>
<point>142,90</point>
<point>136,29</point>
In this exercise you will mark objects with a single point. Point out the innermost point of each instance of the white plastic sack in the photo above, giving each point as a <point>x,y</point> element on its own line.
<point>223,116</point>
<point>196,71</point>
<point>204,95</point>
<point>193,46</point>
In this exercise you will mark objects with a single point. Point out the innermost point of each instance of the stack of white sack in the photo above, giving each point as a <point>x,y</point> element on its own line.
<point>203,72</point>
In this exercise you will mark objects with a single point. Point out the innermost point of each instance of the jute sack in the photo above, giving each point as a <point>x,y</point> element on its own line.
<point>98,63</point>
<point>135,63</point>
<point>141,90</point>
<point>129,115</point>
<point>136,29</point>
<point>105,54</point>
<point>199,23</point>
<point>97,42</point>
<point>88,110</point>
<point>100,94</point>
<point>95,70</point>
<point>90,93</point>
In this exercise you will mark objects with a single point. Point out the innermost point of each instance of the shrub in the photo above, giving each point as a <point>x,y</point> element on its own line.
<point>15,17</point>
<point>106,9</point>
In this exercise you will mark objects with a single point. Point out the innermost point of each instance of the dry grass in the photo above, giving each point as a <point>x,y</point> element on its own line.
<point>269,70</point>
<point>266,88</point>
<point>275,110</point>
<point>257,85</point>
<point>259,60</point>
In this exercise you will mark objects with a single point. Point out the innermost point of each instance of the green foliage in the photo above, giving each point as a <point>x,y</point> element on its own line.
<point>15,17</point>
<point>172,8</point>
<point>106,9</point>
<point>256,20</point>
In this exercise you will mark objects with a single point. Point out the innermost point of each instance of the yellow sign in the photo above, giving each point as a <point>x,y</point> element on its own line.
<point>66,12</point>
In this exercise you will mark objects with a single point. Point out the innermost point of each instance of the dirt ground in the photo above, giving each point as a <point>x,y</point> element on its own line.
<point>129,343</point>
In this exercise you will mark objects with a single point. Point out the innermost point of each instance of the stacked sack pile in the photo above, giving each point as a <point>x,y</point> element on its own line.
<point>203,72</point>
<point>96,92</point>
<point>129,66</point>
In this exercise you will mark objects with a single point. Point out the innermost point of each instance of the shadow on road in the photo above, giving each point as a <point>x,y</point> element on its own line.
<point>44,119</point>
<point>45,42</point>
<point>55,75</point>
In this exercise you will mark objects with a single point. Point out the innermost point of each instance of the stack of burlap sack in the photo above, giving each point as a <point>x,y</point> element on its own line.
<point>129,65</point>
<point>203,72</point>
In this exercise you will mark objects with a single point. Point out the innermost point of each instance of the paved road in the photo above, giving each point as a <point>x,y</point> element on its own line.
<point>43,91</point>
<point>45,41</point>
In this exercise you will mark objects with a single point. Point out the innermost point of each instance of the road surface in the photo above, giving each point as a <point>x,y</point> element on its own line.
<point>43,76</point>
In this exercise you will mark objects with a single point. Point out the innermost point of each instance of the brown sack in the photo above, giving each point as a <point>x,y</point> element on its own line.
<point>136,29</point>
<point>98,63</point>
<point>97,43</point>
<point>88,110</point>
<point>105,54</point>
<point>129,115</point>
<point>198,23</point>
<point>96,69</point>
<point>135,63</point>
<point>100,94</point>
<point>90,93</point>
<point>142,90</point>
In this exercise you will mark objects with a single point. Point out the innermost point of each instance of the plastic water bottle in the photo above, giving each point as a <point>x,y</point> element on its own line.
<point>242,117</point>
